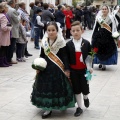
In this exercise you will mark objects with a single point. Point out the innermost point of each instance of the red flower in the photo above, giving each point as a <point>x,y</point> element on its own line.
<point>95,50</point>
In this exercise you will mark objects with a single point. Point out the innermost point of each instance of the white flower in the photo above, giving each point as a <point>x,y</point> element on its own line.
<point>40,62</point>
<point>100,20</point>
<point>115,35</point>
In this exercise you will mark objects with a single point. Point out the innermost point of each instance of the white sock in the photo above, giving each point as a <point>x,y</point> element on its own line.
<point>46,112</point>
<point>85,96</point>
<point>79,100</point>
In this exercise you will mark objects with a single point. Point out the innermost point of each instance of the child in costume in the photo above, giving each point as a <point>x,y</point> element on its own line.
<point>52,89</point>
<point>78,50</point>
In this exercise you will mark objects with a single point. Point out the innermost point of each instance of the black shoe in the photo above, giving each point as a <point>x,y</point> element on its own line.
<point>103,67</point>
<point>37,47</point>
<point>78,112</point>
<point>46,116</point>
<point>86,102</point>
<point>28,54</point>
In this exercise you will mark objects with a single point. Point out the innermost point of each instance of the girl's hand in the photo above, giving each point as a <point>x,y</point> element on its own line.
<point>67,73</point>
<point>37,71</point>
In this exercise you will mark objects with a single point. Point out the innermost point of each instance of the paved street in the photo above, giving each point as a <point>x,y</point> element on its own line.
<point>16,86</point>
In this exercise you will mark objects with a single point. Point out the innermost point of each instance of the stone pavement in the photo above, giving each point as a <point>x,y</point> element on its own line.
<point>16,86</point>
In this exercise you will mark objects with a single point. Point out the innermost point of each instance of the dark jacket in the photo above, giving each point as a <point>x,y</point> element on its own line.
<point>85,49</point>
<point>47,16</point>
<point>59,16</point>
<point>87,14</point>
<point>78,14</point>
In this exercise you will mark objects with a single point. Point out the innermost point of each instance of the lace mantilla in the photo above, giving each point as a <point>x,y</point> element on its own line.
<point>59,43</point>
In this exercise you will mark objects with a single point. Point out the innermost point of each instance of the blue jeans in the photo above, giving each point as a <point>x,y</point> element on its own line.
<point>37,34</point>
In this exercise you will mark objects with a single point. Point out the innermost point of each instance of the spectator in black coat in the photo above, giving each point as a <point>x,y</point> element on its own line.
<point>78,13</point>
<point>87,19</point>
<point>60,17</point>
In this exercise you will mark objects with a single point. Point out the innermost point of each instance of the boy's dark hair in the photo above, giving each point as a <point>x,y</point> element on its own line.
<point>76,23</point>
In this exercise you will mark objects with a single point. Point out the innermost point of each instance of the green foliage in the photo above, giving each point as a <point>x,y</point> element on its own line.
<point>74,3</point>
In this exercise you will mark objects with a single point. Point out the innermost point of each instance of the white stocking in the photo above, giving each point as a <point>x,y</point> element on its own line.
<point>78,100</point>
<point>85,96</point>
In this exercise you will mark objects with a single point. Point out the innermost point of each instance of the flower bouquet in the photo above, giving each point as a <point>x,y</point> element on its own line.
<point>115,35</point>
<point>39,64</point>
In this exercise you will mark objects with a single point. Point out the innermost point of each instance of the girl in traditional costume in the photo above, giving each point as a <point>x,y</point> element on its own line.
<point>102,39</point>
<point>52,89</point>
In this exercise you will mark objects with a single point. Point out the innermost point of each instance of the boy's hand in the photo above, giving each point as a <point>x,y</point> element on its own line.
<point>91,71</point>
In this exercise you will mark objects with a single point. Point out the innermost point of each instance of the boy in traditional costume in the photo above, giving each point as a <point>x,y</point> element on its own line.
<point>78,49</point>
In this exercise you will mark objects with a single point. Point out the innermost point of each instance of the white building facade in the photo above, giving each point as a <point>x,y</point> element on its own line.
<point>69,2</point>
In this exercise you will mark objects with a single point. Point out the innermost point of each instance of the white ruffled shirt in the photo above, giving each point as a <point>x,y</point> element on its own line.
<point>77,44</point>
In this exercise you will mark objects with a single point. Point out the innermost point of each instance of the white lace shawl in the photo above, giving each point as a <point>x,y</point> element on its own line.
<point>59,43</point>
